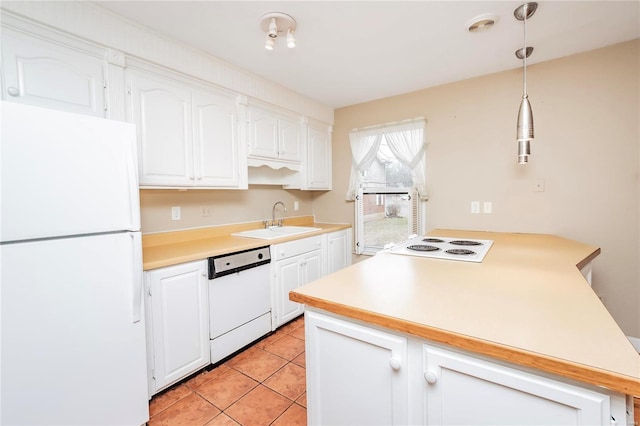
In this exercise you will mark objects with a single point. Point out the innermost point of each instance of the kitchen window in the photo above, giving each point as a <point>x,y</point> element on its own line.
<point>387,183</point>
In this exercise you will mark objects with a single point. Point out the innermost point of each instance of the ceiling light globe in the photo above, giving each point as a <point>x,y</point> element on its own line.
<point>270,44</point>
<point>291,39</point>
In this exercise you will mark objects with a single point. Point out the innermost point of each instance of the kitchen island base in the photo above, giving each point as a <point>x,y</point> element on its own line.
<point>363,374</point>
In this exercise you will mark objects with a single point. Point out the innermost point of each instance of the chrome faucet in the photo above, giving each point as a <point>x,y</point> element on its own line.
<point>273,213</point>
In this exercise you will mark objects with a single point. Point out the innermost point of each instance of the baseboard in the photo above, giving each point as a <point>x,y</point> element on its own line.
<point>635,342</point>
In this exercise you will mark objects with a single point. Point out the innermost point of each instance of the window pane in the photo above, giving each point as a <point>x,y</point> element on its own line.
<point>387,172</point>
<point>387,222</point>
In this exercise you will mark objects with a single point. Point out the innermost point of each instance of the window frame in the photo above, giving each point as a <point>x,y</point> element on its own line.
<point>416,218</point>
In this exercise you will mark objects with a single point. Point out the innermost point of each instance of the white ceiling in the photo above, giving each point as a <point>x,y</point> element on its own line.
<point>355,51</point>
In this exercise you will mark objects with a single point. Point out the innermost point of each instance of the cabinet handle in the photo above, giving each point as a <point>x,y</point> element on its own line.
<point>282,253</point>
<point>430,377</point>
<point>13,91</point>
<point>395,364</point>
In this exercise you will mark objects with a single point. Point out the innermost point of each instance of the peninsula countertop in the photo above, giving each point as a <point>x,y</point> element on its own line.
<point>172,248</point>
<point>526,303</point>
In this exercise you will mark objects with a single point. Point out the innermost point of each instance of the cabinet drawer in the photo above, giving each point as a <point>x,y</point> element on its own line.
<point>294,248</point>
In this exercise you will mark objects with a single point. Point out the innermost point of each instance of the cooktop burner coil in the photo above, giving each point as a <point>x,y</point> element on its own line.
<point>422,247</point>
<point>463,252</point>
<point>465,243</point>
<point>432,240</point>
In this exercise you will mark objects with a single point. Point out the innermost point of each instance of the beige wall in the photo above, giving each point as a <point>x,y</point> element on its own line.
<point>586,110</point>
<point>229,206</point>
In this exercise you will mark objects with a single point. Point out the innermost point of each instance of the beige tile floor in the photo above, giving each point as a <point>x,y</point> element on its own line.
<point>263,385</point>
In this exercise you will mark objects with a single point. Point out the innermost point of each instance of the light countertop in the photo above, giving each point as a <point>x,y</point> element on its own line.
<point>172,248</point>
<point>526,303</point>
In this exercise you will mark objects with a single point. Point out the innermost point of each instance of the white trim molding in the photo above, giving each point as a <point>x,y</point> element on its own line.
<point>98,25</point>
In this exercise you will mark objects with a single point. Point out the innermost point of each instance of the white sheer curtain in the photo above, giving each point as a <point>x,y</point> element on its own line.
<point>407,143</point>
<point>405,140</point>
<point>364,148</point>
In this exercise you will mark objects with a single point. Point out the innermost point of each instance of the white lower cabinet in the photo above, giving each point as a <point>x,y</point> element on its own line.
<point>355,375</point>
<point>364,375</point>
<point>460,389</point>
<point>293,264</point>
<point>338,250</point>
<point>177,322</point>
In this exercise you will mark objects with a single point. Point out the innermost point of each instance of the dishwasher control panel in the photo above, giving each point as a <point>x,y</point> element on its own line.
<point>239,261</point>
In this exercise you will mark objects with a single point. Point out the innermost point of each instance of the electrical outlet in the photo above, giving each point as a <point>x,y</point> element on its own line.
<point>296,206</point>
<point>475,207</point>
<point>487,207</point>
<point>205,211</point>
<point>175,213</point>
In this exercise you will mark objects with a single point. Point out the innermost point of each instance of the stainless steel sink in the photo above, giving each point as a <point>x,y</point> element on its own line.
<point>275,232</point>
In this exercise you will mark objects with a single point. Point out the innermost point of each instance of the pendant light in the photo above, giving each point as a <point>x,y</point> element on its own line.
<point>525,114</point>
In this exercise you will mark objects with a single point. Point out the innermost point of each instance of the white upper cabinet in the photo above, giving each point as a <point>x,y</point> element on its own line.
<point>318,159</point>
<point>290,138</point>
<point>50,75</point>
<point>274,138</point>
<point>217,160</point>
<point>162,114</point>
<point>187,136</point>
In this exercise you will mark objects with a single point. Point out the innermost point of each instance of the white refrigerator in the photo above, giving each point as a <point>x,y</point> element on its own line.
<point>72,321</point>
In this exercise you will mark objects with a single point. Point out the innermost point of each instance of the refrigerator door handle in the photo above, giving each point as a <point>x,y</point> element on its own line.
<point>132,170</point>
<point>136,311</point>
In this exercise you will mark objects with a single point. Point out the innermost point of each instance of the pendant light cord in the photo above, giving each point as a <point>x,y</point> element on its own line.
<point>524,52</point>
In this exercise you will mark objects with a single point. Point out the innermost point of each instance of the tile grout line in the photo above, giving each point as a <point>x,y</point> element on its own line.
<point>199,395</point>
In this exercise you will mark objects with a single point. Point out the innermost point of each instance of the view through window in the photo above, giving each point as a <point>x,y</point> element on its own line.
<point>386,205</point>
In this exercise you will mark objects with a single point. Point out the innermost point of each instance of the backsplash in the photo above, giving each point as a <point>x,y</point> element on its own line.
<point>202,208</point>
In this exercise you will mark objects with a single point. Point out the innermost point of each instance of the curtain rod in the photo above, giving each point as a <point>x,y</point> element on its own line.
<point>390,124</point>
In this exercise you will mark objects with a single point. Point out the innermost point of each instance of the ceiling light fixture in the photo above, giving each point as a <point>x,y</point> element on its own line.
<point>525,114</point>
<point>482,22</point>
<point>274,23</point>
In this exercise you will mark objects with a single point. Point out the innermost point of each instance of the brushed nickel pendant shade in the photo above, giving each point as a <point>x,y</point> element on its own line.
<point>525,114</point>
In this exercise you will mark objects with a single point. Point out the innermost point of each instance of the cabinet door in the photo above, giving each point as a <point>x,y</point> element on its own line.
<point>290,139</point>
<point>263,133</point>
<point>180,323</point>
<point>312,266</point>
<point>215,140</point>
<point>338,250</point>
<point>453,383</point>
<point>355,375</point>
<point>161,111</point>
<point>45,74</point>
<point>318,158</point>
<point>289,276</point>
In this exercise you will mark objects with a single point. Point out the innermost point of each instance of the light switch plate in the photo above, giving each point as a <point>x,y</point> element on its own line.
<point>475,207</point>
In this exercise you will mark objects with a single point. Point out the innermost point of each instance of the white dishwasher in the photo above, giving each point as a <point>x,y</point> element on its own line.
<point>239,300</point>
